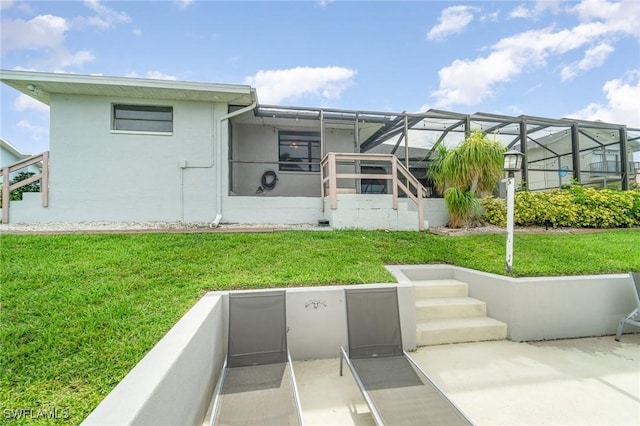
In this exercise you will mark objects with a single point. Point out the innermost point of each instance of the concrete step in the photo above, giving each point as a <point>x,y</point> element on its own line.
<point>441,288</point>
<point>459,330</point>
<point>449,307</point>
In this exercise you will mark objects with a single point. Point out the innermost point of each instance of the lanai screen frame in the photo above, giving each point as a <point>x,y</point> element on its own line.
<point>395,128</point>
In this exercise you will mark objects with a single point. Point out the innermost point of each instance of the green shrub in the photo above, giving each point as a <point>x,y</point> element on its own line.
<point>16,194</point>
<point>494,211</point>
<point>576,207</point>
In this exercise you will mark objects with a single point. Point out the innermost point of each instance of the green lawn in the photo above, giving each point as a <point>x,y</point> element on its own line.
<point>79,311</point>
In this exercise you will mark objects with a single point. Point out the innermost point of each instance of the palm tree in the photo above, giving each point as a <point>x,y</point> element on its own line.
<point>466,173</point>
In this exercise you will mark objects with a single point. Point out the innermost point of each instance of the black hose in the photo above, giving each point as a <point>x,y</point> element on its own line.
<point>269,180</point>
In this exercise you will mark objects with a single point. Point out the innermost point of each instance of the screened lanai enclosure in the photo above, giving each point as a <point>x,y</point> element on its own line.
<point>279,151</point>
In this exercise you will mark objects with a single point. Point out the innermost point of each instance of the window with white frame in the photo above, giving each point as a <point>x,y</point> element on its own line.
<point>300,151</point>
<point>142,118</point>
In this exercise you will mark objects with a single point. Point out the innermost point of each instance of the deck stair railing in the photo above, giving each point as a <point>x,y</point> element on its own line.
<point>403,182</point>
<point>43,176</point>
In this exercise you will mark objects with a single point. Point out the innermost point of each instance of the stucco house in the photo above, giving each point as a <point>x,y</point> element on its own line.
<point>10,154</point>
<point>128,149</point>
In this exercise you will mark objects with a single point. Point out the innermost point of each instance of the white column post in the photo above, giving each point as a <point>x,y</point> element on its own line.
<point>511,195</point>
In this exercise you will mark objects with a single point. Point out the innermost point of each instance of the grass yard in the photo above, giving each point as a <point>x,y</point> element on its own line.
<point>79,311</point>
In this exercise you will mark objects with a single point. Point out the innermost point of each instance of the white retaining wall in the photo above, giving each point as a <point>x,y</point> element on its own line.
<point>541,308</point>
<point>435,211</point>
<point>174,383</point>
<point>369,211</point>
<point>272,210</point>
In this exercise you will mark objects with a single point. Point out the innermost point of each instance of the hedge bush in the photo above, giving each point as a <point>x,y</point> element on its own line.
<point>576,207</point>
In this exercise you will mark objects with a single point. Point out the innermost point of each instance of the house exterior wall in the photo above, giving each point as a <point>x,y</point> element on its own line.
<point>258,143</point>
<point>272,210</point>
<point>7,158</point>
<point>100,175</point>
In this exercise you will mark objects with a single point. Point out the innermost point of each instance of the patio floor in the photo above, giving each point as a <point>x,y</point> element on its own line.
<point>589,381</point>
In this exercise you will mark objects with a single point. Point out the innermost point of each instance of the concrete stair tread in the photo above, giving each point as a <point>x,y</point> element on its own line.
<point>444,301</point>
<point>459,330</point>
<point>446,314</point>
<point>447,281</point>
<point>449,307</point>
<point>453,323</point>
<point>440,288</point>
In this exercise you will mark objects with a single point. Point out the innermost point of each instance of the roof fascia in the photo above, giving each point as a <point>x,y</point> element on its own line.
<point>20,80</point>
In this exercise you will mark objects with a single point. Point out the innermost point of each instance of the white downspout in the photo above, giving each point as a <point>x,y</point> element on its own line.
<point>227,116</point>
<point>218,130</point>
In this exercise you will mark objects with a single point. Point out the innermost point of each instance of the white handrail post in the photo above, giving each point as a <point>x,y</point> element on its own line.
<point>44,185</point>
<point>333,181</point>
<point>420,215</point>
<point>394,177</point>
<point>322,164</point>
<point>5,195</point>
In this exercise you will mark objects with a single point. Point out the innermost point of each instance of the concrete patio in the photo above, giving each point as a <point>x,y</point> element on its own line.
<point>587,381</point>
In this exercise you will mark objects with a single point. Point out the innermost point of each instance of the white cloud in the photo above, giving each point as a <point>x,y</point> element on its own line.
<point>183,4</point>
<point>623,102</point>
<point>324,3</point>
<point>538,8</point>
<point>274,86</point>
<point>157,75</point>
<point>42,31</point>
<point>490,17</point>
<point>521,12</point>
<point>35,132</point>
<point>24,102</point>
<point>620,16</point>
<point>22,6</point>
<point>453,20</point>
<point>137,32</point>
<point>45,35</point>
<point>469,81</point>
<point>593,57</point>
<point>106,17</point>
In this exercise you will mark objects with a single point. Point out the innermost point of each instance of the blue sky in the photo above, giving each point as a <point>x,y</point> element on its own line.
<point>548,58</point>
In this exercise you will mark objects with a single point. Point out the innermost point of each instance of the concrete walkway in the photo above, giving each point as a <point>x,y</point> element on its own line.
<point>591,381</point>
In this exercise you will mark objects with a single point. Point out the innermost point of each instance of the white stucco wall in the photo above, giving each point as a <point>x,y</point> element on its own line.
<point>100,175</point>
<point>435,212</point>
<point>272,210</point>
<point>7,158</point>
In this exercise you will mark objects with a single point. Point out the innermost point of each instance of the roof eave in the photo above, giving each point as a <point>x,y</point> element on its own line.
<point>40,86</point>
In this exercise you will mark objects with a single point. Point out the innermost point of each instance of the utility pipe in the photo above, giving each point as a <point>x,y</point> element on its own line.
<point>217,130</point>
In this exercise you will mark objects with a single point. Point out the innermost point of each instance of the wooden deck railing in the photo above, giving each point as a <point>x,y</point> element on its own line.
<point>401,178</point>
<point>43,176</point>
